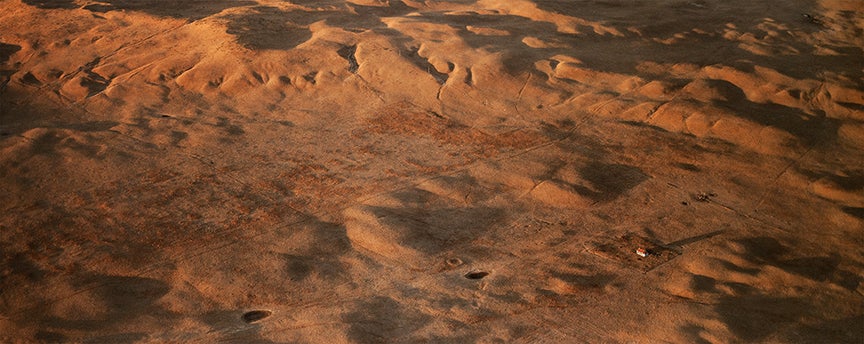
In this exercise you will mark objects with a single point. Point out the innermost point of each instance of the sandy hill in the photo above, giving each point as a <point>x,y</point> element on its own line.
<point>431,171</point>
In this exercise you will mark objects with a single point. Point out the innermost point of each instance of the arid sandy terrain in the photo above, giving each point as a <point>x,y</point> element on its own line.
<point>363,171</point>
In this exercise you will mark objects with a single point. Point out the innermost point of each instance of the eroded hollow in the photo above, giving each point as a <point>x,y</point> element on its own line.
<point>256,315</point>
<point>453,262</point>
<point>476,275</point>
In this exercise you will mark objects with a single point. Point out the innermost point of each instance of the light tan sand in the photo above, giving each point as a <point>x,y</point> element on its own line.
<point>431,171</point>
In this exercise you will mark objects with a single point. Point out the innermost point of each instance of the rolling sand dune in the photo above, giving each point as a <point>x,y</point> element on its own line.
<point>431,171</point>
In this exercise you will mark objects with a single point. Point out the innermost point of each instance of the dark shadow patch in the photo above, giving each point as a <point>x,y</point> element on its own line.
<point>765,250</point>
<point>695,239</point>
<point>311,77</point>
<point>667,20</point>
<point>268,28</point>
<point>21,266</point>
<point>852,106</point>
<point>740,288</point>
<point>52,4</point>
<point>230,129</point>
<point>280,29</point>
<point>30,79</point>
<point>510,297</point>
<point>94,126</point>
<point>49,142</point>
<point>586,281</point>
<point>687,167</point>
<point>94,83</point>
<point>809,129</point>
<point>610,181</point>
<point>721,90</point>
<point>320,260</point>
<point>849,181</point>
<point>414,196</point>
<point>258,77</point>
<point>99,8</point>
<point>815,268</point>
<point>354,17</point>
<point>556,132</point>
<point>369,17</point>
<point>413,55</point>
<point>88,150</point>
<point>623,250</point>
<point>5,76</point>
<point>310,3</point>
<point>220,319</point>
<point>432,224</point>
<point>124,299</point>
<point>347,52</point>
<point>436,229</point>
<point>330,238</point>
<point>845,330</point>
<point>516,57</point>
<point>46,143</point>
<point>734,267</point>
<point>693,333</point>
<point>50,337</point>
<point>383,319</point>
<point>703,284</point>
<point>644,125</point>
<point>469,184</point>
<point>271,28</point>
<point>297,267</point>
<point>246,337</point>
<point>130,295</point>
<point>189,9</point>
<point>7,50</point>
<point>233,327</point>
<point>117,338</point>
<point>177,136</point>
<point>216,82</point>
<point>195,9</point>
<point>854,211</point>
<point>753,318</point>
